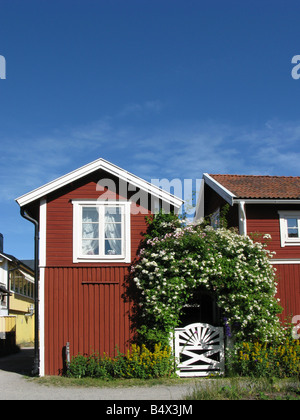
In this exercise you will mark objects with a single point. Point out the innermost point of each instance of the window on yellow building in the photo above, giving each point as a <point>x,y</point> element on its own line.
<point>21,284</point>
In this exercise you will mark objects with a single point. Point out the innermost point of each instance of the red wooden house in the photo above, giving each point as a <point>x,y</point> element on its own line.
<point>263,205</point>
<point>90,223</point>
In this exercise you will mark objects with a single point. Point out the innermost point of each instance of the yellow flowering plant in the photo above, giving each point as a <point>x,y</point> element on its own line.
<point>278,359</point>
<point>137,362</point>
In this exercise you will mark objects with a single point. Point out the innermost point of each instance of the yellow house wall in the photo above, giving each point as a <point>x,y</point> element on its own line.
<point>24,330</point>
<point>7,324</point>
<point>19,305</point>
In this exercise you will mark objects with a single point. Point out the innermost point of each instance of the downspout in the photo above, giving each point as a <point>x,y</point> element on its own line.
<point>242,219</point>
<point>36,363</point>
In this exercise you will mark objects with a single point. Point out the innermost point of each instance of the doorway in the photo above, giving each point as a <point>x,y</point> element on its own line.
<point>203,308</point>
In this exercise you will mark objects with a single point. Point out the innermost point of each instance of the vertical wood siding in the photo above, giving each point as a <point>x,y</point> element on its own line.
<point>85,307</point>
<point>84,303</point>
<point>265,219</point>
<point>288,276</point>
<point>262,219</point>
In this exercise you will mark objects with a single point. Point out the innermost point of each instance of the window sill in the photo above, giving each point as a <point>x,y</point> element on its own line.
<point>295,243</point>
<point>101,260</point>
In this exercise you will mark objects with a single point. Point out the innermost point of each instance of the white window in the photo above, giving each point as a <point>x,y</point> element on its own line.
<point>289,228</point>
<point>215,219</point>
<point>101,231</point>
<point>21,283</point>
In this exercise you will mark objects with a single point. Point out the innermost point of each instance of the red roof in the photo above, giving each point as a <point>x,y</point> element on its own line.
<point>260,187</point>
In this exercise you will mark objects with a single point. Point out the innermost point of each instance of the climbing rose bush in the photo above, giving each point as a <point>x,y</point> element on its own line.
<point>237,270</point>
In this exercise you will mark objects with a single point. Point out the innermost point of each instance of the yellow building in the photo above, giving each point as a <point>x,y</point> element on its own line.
<point>21,305</point>
<point>16,302</point>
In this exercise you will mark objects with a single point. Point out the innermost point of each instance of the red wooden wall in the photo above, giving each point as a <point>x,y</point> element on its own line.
<point>288,276</point>
<point>85,307</point>
<point>84,303</point>
<point>264,218</point>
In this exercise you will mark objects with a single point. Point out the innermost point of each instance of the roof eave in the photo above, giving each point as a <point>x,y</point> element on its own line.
<point>266,201</point>
<point>219,189</point>
<point>92,167</point>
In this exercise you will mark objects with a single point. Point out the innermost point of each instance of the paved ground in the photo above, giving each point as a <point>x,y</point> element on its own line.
<point>14,385</point>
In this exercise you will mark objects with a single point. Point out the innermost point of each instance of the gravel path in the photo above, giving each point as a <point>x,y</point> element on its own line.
<point>15,386</point>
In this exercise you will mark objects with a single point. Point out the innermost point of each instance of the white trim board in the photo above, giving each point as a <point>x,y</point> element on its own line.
<point>90,168</point>
<point>286,261</point>
<point>42,265</point>
<point>77,229</point>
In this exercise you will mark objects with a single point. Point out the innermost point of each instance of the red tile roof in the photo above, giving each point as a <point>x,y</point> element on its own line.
<point>260,187</point>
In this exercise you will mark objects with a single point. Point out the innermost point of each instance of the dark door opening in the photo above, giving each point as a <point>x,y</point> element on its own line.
<point>201,308</point>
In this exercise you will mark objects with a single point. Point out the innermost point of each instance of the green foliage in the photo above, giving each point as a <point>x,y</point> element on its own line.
<point>182,259</point>
<point>138,362</point>
<point>161,224</point>
<point>279,359</point>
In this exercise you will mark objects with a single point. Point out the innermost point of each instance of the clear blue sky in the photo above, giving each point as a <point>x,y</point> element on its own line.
<point>162,88</point>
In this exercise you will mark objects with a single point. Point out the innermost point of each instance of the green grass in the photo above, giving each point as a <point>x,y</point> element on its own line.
<point>202,388</point>
<point>102,383</point>
<point>246,389</point>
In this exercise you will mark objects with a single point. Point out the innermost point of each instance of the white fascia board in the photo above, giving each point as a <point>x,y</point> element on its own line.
<point>265,201</point>
<point>199,212</point>
<point>5,257</point>
<point>219,189</point>
<point>27,276</point>
<point>91,167</point>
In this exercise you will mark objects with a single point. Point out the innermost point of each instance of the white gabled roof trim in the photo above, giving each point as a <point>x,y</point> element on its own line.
<point>219,188</point>
<point>6,257</point>
<point>91,167</point>
<point>266,201</point>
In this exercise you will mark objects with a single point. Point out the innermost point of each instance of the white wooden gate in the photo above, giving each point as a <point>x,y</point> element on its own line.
<point>199,350</point>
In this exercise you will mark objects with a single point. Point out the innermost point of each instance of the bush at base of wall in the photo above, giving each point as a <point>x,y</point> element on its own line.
<point>138,362</point>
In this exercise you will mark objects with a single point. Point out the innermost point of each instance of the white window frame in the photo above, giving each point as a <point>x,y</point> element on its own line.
<point>215,219</point>
<point>78,257</point>
<point>283,217</point>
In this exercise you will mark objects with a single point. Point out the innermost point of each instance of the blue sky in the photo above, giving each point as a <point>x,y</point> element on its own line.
<point>162,88</point>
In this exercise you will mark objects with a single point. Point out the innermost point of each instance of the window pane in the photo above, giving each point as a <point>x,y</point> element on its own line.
<point>90,215</point>
<point>12,281</point>
<point>113,230</point>
<point>22,281</point>
<point>113,247</point>
<point>25,287</point>
<point>90,247</point>
<point>90,230</point>
<point>292,228</point>
<point>113,215</point>
<point>293,233</point>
